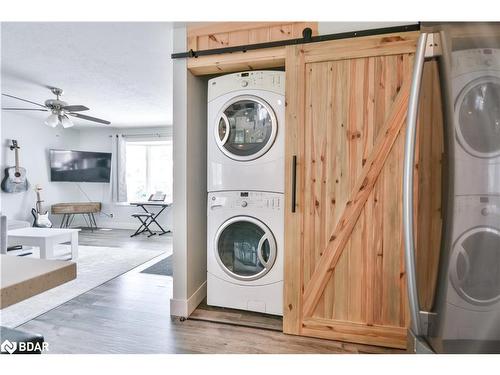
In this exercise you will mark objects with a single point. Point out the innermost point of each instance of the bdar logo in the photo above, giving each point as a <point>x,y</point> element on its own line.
<point>9,347</point>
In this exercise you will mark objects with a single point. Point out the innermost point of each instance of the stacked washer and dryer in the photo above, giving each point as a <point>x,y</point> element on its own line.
<point>245,172</point>
<point>473,301</point>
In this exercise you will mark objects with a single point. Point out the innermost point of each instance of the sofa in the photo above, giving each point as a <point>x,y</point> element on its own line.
<point>6,225</point>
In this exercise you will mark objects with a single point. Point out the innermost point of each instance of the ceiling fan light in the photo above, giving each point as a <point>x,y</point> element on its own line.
<point>66,122</point>
<point>52,120</point>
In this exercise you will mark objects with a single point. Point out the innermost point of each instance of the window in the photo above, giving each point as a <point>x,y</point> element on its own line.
<point>149,169</point>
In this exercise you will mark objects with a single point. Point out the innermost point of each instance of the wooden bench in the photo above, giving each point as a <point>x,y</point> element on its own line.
<point>69,210</point>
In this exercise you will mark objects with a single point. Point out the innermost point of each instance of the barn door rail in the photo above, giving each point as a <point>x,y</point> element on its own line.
<point>427,46</point>
<point>306,38</point>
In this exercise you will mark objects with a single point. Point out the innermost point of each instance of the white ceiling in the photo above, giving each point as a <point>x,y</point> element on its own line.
<point>122,71</point>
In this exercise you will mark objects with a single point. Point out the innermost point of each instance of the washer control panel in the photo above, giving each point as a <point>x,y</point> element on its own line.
<point>245,200</point>
<point>253,80</point>
<point>472,60</point>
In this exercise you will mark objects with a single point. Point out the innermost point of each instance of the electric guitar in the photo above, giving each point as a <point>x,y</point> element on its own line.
<point>40,220</point>
<point>15,180</point>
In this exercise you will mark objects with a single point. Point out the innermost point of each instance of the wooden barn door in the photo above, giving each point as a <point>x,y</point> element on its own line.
<point>346,113</point>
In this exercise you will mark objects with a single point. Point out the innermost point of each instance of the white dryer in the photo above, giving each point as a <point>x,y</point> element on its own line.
<point>476,93</point>
<point>473,294</point>
<point>245,251</point>
<point>246,140</point>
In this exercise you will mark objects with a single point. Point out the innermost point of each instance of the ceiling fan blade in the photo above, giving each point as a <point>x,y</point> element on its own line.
<point>75,108</point>
<point>95,119</point>
<point>25,109</point>
<point>24,100</point>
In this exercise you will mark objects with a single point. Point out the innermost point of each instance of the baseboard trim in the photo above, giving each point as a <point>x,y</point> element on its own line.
<point>184,307</point>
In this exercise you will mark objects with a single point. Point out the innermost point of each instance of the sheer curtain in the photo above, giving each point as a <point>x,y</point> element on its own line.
<point>119,175</point>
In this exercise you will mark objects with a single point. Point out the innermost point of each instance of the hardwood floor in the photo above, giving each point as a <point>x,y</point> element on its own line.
<point>130,314</point>
<point>236,317</point>
<point>121,238</point>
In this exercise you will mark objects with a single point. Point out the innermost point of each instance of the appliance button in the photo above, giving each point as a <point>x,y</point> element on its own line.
<point>244,83</point>
<point>244,204</point>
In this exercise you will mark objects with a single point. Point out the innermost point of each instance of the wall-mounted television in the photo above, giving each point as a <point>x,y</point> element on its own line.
<point>79,166</point>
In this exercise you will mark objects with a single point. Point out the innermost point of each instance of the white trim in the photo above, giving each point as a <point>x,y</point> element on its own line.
<point>184,308</point>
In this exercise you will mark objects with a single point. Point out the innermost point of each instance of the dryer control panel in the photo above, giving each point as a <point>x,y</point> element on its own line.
<point>246,199</point>
<point>253,80</point>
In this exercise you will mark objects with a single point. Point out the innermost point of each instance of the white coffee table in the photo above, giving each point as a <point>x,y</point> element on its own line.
<point>45,239</point>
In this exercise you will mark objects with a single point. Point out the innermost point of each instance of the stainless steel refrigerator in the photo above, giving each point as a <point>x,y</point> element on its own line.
<point>465,314</point>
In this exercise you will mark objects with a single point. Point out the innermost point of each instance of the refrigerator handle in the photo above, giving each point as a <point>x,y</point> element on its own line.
<point>417,323</point>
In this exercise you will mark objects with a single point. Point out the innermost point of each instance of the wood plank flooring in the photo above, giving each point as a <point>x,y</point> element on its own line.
<point>237,317</point>
<point>130,314</point>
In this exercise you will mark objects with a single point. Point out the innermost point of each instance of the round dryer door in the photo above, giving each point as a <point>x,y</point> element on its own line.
<point>245,248</point>
<point>475,266</point>
<point>477,117</point>
<point>246,128</point>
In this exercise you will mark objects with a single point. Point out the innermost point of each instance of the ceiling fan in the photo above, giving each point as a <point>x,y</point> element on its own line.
<point>59,109</point>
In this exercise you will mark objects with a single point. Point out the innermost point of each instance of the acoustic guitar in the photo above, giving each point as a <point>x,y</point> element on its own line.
<point>40,219</point>
<point>15,180</point>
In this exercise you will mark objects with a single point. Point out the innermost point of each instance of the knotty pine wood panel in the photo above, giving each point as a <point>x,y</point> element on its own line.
<point>238,61</point>
<point>294,237</point>
<point>229,34</point>
<point>346,111</point>
<point>347,295</point>
<point>358,95</point>
<point>370,46</point>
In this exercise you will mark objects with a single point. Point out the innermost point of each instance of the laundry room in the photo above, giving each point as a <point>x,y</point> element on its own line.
<point>318,154</point>
<point>247,154</point>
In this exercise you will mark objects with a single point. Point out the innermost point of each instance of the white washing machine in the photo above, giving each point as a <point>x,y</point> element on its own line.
<point>476,93</point>
<point>245,251</point>
<point>246,124</point>
<point>473,294</point>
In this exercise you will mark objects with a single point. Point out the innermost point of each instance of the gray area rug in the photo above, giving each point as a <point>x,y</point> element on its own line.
<point>95,266</point>
<point>163,267</point>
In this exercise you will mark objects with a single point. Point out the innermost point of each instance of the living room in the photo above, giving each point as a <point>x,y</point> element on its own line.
<point>87,133</point>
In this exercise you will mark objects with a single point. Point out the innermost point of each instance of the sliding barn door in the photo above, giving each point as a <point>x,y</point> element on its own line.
<point>346,113</point>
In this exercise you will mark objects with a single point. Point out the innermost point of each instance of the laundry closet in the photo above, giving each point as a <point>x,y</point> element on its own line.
<point>305,145</point>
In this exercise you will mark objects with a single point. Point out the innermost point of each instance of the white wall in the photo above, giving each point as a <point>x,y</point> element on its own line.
<point>98,139</point>
<point>35,139</point>
<point>190,192</point>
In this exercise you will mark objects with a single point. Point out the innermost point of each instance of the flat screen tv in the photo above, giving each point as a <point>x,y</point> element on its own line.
<point>79,166</point>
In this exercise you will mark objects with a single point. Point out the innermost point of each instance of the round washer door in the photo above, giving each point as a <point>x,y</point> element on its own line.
<point>245,248</point>
<point>477,117</point>
<point>475,266</point>
<point>246,128</point>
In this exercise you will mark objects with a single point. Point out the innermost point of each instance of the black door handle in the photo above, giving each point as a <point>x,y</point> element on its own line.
<point>294,182</point>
